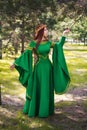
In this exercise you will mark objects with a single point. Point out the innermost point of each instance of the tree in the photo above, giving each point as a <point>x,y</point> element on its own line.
<point>0,40</point>
<point>25,15</point>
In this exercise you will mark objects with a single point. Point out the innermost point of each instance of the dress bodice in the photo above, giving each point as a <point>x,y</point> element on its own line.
<point>44,48</point>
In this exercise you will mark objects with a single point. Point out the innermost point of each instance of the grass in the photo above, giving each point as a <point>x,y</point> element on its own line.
<point>9,79</point>
<point>69,115</point>
<point>76,57</point>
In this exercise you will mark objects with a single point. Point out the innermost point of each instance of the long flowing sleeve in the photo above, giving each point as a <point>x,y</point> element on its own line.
<point>24,65</point>
<point>61,76</point>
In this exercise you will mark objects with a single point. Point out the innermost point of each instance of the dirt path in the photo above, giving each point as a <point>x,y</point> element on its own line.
<point>77,94</point>
<point>70,109</point>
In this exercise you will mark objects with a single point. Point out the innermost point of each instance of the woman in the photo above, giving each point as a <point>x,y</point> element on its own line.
<point>44,77</point>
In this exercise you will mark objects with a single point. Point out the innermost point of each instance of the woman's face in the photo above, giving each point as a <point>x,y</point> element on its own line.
<point>45,32</point>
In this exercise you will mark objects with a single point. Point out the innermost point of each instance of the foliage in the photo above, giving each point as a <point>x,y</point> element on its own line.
<point>19,19</point>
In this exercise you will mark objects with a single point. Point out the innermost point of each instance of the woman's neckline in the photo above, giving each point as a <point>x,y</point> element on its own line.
<point>42,42</point>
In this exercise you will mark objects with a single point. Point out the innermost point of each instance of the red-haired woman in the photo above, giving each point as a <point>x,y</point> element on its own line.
<point>45,76</point>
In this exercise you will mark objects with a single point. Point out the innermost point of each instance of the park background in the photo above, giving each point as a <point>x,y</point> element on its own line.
<point>18,19</point>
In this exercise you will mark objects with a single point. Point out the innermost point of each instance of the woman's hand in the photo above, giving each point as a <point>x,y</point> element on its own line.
<point>12,67</point>
<point>66,31</point>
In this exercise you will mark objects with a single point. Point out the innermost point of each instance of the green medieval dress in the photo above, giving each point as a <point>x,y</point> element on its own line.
<point>42,78</point>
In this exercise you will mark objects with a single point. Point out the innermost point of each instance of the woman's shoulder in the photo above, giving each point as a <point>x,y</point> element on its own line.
<point>32,43</point>
<point>47,41</point>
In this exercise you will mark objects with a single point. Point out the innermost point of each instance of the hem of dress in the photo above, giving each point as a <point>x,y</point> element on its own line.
<point>60,93</point>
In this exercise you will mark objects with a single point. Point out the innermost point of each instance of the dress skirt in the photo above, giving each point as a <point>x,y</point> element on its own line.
<point>42,102</point>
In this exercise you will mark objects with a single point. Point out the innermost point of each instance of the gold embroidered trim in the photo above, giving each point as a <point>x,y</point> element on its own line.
<point>28,96</point>
<point>44,57</point>
<point>15,64</point>
<point>52,45</point>
<point>29,48</point>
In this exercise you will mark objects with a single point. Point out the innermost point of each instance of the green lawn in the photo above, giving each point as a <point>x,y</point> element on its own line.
<point>69,115</point>
<point>9,79</point>
<point>76,57</point>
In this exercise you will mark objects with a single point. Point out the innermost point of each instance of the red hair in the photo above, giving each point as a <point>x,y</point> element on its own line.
<point>39,33</point>
<point>39,36</point>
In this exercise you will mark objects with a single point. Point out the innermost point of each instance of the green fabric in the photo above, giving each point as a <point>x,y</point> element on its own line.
<point>41,82</point>
<point>61,76</point>
<point>23,64</point>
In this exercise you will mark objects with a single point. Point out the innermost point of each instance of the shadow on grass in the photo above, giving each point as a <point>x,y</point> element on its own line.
<point>68,116</point>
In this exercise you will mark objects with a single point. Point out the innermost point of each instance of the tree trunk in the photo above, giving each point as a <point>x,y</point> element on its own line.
<point>16,47</point>
<point>0,96</point>
<point>84,40</point>
<point>0,49</point>
<point>22,36</point>
<point>0,41</point>
<point>22,41</point>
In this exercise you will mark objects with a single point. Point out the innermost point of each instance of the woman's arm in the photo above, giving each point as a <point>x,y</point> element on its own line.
<point>62,40</point>
<point>65,32</point>
<point>64,35</point>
